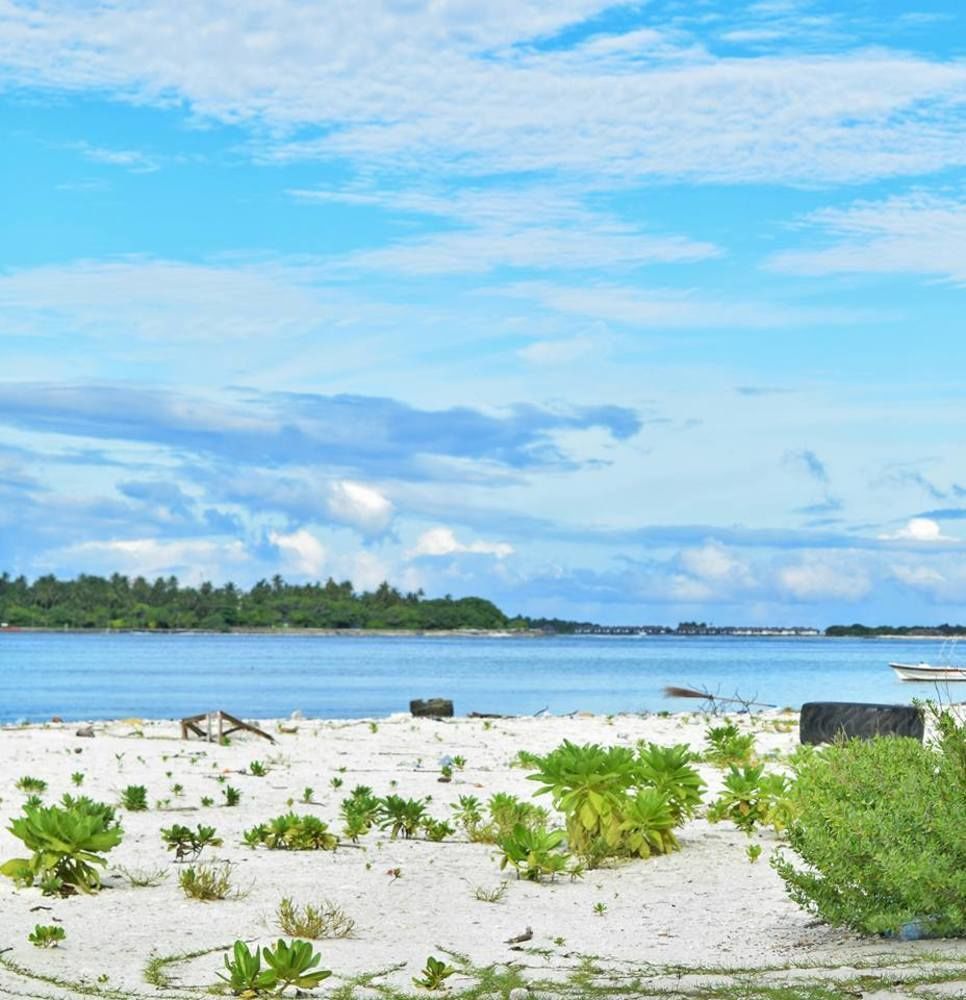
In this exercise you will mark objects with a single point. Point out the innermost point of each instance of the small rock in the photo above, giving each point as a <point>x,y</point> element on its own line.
<point>85,731</point>
<point>56,718</point>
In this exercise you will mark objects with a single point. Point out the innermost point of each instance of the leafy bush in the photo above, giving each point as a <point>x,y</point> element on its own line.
<point>360,812</point>
<point>535,853</point>
<point>188,843</point>
<point>46,935</point>
<point>287,965</point>
<point>401,816</point>
<point>327,920</point>
<point>290,832</point>
<point>31,785</point>
<point>617,802</point>
<point>881,829</point>
<point>67,844</point>
<point>728,746</point>
<point>134,798</point>
<point>434,975</point>
<point>752,798</point>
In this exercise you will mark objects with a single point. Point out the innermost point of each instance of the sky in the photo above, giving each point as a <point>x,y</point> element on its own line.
<point>632,313</point>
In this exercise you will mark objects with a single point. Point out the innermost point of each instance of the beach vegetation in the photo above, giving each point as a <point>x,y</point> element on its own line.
<point>232,795</point>
<point>290,832</point>
<point>308,794</point>
<point>77,779</point>
<point>207,801</point>
<point>46,935</point>
<point>67,842</point>
<point>142,878</point>
<point>753,851</point>
<point>209,881</point>
<point>257,769</point>
<point>309,920</point>
<point>188,843</point>
<point>286,964</point>
<point>879,832</point>
<point>434,974</point>
<point>534,853</point>
<point>728,746</point>
<point>33,786</point>
<point>437,830</point>
<point>134,798</point>
<point>618,802</point>
<point>751,798</point>
<point>401,817</point>
<point>494,895</point>
<point>360,811</point>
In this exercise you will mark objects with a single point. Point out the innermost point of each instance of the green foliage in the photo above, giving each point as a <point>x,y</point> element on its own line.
<point>257,769</point>
<point>360,811</point>
<point>617,802</point>
<point>754,852</point>
<point>32,785</point>
<point>401,816</point>
<point>134,798</point>
<point>67,843</point>
<point>290,832</point>
<point>46,935</point>
<point>325,920</point>
<point>534,853</point>
<point>77,778</point>
<point>188,843</point>
<point>208,881</point>
<point>437,829</point>
<point>881,832</point>
<point>490,895</point>
<point>142,878</point>
<point>728,746</point>
<point>232,795</point>
<point>752,798</point>
<point>287,964</point>
<point>434,975</point>
<point>121,602</point>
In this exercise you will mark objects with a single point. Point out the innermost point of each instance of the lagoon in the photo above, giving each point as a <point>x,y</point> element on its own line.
<point>118,675</point>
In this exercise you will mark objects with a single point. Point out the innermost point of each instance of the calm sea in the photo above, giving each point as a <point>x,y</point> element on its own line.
<point>101,676</point>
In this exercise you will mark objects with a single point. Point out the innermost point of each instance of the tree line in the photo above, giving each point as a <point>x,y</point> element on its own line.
<point>120,602</point>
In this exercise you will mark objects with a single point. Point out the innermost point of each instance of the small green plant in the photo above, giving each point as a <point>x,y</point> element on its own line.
<point>752,798</point>
<point>401,816</point>
<point>434,974</point>
<point>490,895</point>
<point>67,843</point>
<point>232,795</point>
<point>325,920</point>
<point>188,843</point>
<point>373,727</point>
<point>257,769</point>
<point>34,786</point>
<point>207,801</point>
<point>336,782</point>
<point>287,964</point>
<point>134,798</point>
<point>46,936</point>
<point>177,790</point>
<point>459,762</point>
<point>728,746</point>
<point>208,881</point>
<point>534,854</point>
<point>308,794</point>
<point>290,832</point>
<point>754,852</point>
<point>77,779</point>
<point>142,878</point>
<point>446,773</point>
<point>360,811</point>
<point>437,830</point>
<point>600,909</point>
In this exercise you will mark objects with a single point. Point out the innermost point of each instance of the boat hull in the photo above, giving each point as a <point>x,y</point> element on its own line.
<point>927,672</point>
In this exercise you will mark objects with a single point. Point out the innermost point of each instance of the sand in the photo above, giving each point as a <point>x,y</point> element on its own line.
<point>703,907</point>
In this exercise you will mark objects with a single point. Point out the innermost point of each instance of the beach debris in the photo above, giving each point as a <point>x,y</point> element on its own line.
<point>431,708</point>
<point>827,721</point>
<point>520,938</point>
<point>85,731</point>
<point>215,729</point>
<point>56,718</point>
<point>709,696</point>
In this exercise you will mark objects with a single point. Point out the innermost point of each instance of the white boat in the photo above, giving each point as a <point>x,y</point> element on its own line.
<point>928,672</point>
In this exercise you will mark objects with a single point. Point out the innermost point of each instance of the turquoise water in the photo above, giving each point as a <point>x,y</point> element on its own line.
<point>102,676</point>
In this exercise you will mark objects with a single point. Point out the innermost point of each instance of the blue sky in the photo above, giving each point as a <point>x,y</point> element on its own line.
<point>629,312</point>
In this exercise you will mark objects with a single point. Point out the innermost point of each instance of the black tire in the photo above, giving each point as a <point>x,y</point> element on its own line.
<point>431,708</point>
<point>826,721</point>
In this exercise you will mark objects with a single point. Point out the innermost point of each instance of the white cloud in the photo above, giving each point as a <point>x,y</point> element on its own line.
<point>443,542</point>
<point>712,562</point>
<point>918,233</point>
<point>458,85</point>
<point>825,577</point>
<point>559,352</point>
<point>918,529</point>
<point>363,507</point>
<point>303,552</point>
<point>130,159</point>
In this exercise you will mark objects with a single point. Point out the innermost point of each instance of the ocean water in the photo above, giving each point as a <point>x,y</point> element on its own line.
<point>101,676</point>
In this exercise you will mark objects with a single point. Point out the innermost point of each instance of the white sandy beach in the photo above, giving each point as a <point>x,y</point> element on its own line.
<point>704,906</point>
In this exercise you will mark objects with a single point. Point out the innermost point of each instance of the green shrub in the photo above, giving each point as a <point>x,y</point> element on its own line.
<point>134,798</point>
<point>617,802</point>
<point>290,832</point>
<point>287,965</point>
<point>534,854</point>
<point>209,881</point>
<point>752,798</point>
<point>188,843</point>
<point>728,746</point>
<point>67,844</point>
<point>31,785</point>
<point>434,975</point>
<point>881,829</point>
<point>401,816</point>
<point>46,935</point>
<point>326,920</point>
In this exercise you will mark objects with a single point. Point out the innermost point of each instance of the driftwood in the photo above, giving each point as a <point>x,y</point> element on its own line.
<point>431,708</point>
<point>193,724</point>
